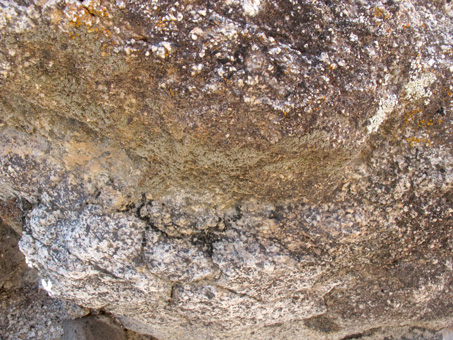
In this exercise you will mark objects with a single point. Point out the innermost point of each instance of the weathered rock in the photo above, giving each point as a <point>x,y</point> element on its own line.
<point>26,312</point>
<point>235,169</point>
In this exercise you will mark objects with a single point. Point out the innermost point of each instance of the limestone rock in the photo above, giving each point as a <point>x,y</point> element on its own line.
<point>266,169</point>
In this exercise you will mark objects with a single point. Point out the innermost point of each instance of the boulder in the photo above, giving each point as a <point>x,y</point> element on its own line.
<point>257,169</point>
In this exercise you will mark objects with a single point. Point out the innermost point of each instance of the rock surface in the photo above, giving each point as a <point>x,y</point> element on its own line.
<point>235,169</point>
<point>26,312</point>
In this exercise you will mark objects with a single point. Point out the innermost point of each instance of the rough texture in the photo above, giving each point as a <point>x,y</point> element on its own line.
<point>235,169</point>
<point>26,312</point>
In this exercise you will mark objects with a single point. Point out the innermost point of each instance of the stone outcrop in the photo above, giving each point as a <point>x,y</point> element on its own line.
<point>25,311</point>
<point>256,169</point>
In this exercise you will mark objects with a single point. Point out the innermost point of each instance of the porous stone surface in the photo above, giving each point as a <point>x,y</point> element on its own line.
<point>258,169</point>
<point>26,310</point>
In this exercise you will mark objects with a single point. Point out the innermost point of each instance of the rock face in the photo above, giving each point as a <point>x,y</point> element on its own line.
<point>256,169</point>
<point>25,311</point>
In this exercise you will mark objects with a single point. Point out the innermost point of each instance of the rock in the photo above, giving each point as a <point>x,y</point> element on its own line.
<point>26,311</point>
<point>447,333</point>
<point>92,328</point>
<point>235,169</point>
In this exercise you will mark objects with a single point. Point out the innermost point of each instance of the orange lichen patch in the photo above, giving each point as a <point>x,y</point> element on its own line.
<point>160,23</point>
<point>80,16</point>
<point>100,30</point>
<point>73,36</point>
<point>95,8</point>
<point>87,17</point>
<point>415,120</point>
<point>425,122</point>
<point>415,140</point>
<point>378,12</point>
<point>381,13</point>
<point>409,116</point>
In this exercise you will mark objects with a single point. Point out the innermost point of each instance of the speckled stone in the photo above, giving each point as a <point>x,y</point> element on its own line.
<point>259,169</point>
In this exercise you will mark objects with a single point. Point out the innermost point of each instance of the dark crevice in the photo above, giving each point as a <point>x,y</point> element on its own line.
<point>144,241</point>
<point>240,294</point>
<point>206,239</point>
<point>149,223</point>
<point>236,217</point>
<point>203,239</point>
<point>441,111</point>
<point>26,207</point>
<point>104,271</point>
<point>128,208</point>
<point>172,295</point>
<point>361,335</point>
